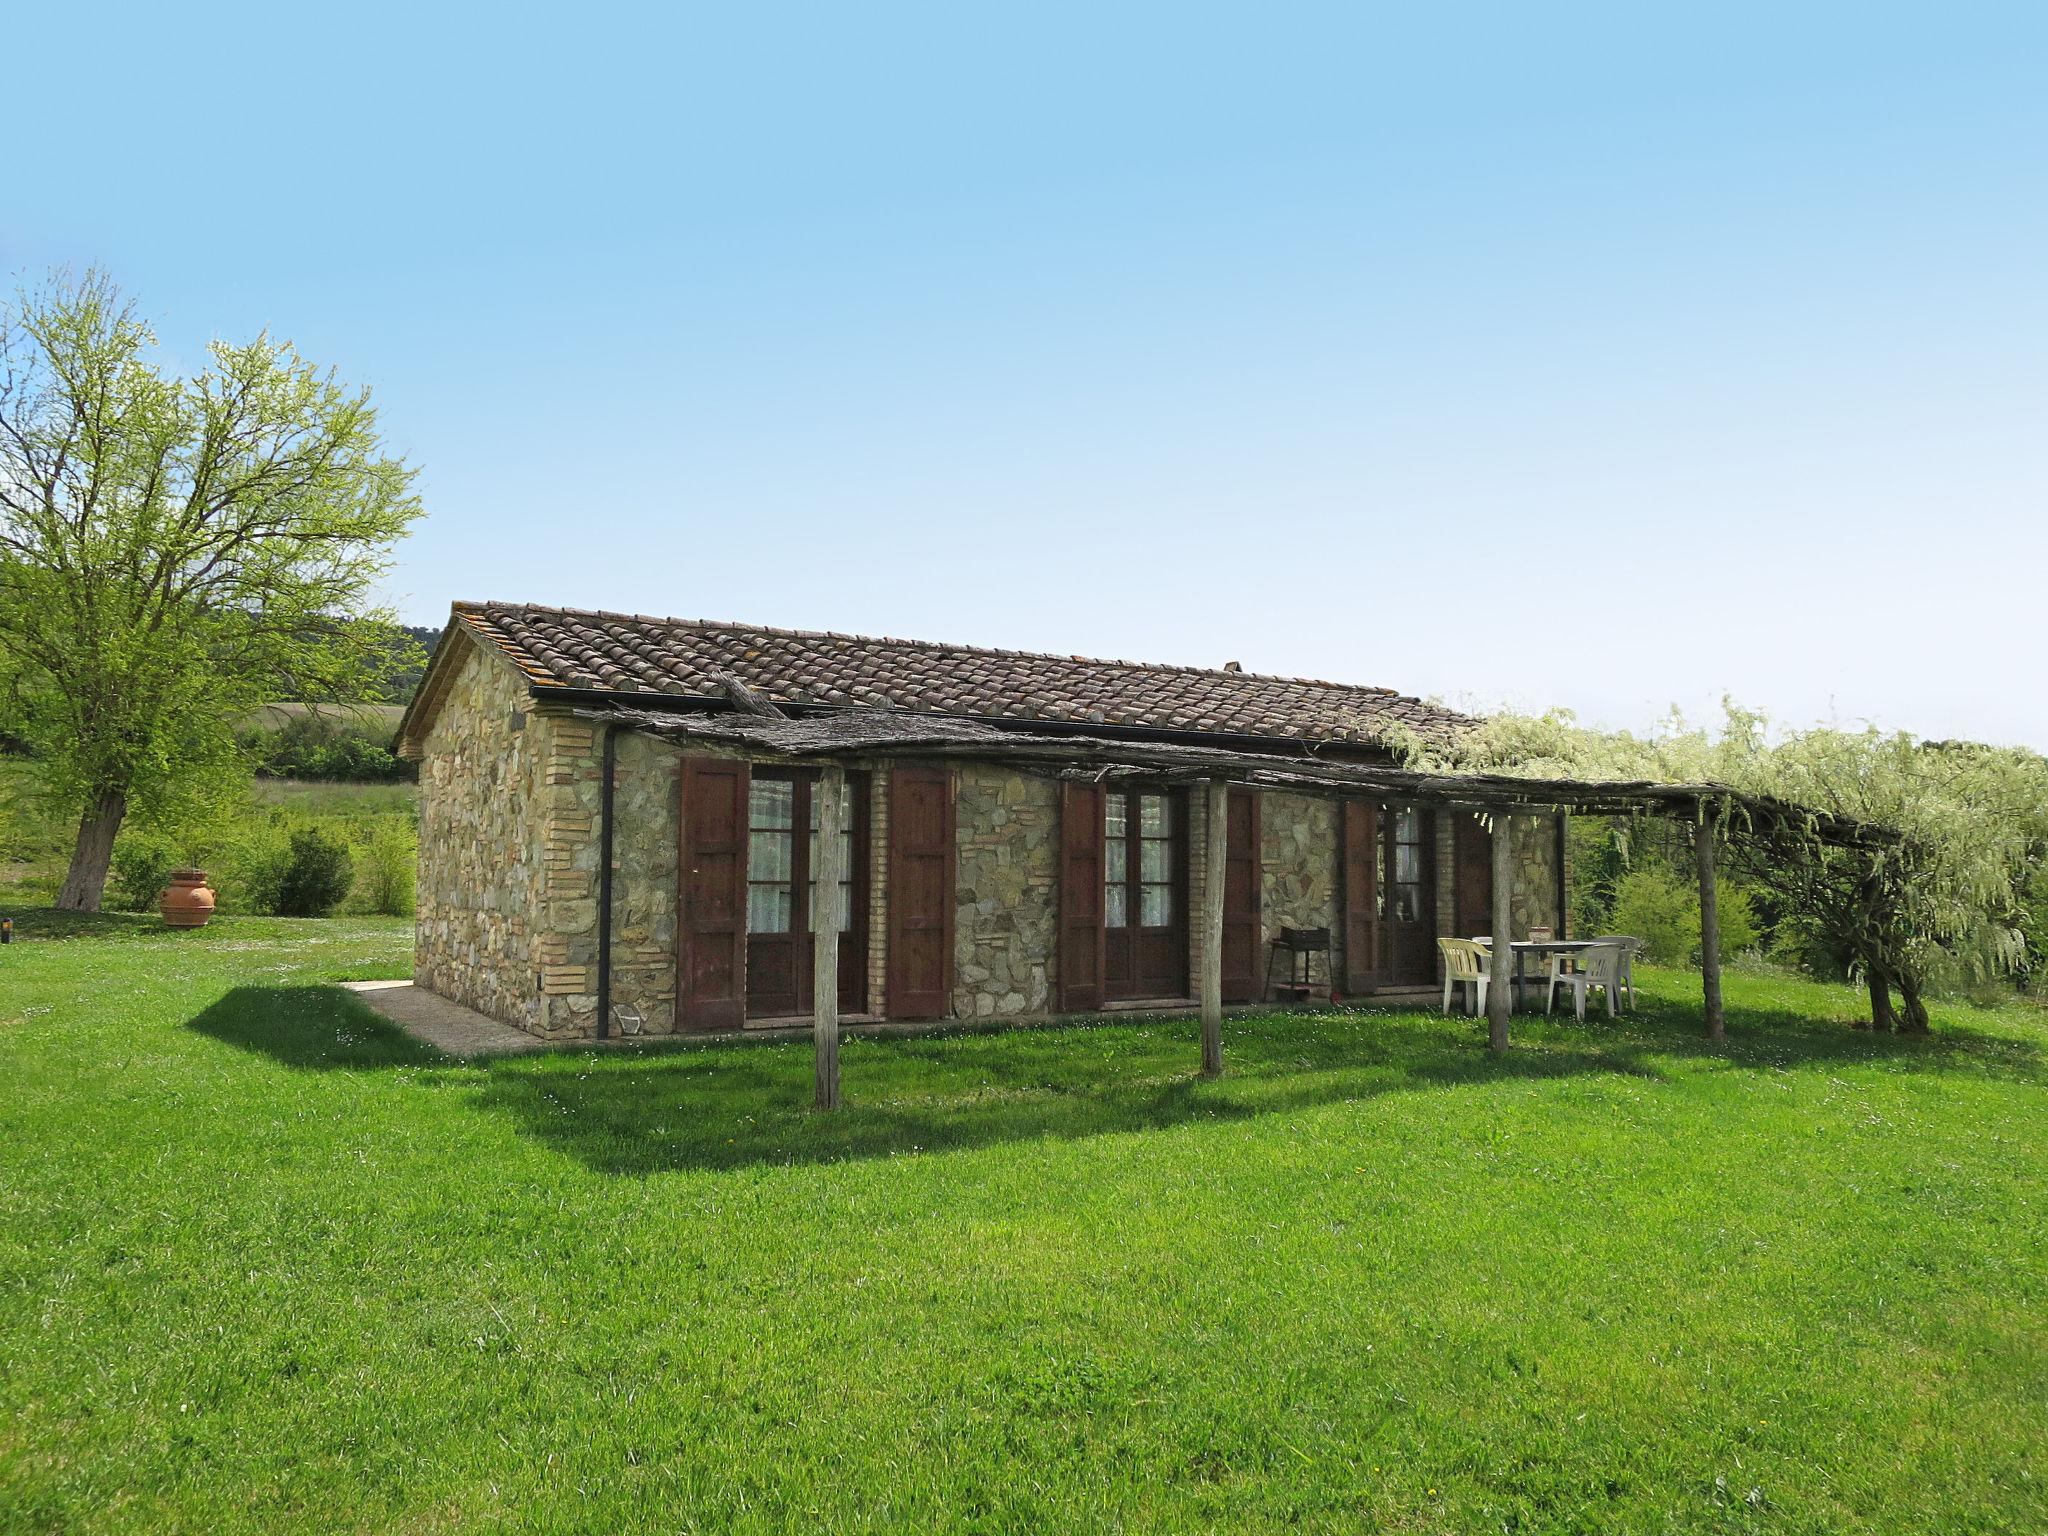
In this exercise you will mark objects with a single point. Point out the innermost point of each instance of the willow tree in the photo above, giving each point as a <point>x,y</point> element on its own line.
<point>1936,894</point>
<point>174,551</point>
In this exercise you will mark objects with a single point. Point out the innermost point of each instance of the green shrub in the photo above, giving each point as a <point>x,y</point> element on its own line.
<point>387,862</point>
<point>1664,912</point>
<point>142,868</point>
<point>316,875</point>
<point>1656,908</point>
<point>250,866</point>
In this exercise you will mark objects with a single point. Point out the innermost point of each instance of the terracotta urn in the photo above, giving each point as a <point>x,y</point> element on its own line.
<point>187,902</point>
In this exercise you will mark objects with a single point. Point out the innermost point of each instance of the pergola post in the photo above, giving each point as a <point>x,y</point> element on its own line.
<point>1216,853</point>
<point>825,919</point>
<point>1710,925</point>
<point>1500,996</point>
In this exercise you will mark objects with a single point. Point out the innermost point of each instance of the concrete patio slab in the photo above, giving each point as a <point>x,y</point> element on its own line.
<point>445,1025</point>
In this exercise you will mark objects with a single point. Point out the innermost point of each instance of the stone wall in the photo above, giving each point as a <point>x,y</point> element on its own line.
<point>1006,890</point>
<point>646,846</point>
<point>1533,900</point>
<point>1298,873</point>
<point>480,864</point>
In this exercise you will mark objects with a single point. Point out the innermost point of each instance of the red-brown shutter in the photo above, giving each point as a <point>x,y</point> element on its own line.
<point>920,893</point>
<point>1241,900</point>
<point>1081,939</point>
<point>1361,895</point>
<point>711,931</point>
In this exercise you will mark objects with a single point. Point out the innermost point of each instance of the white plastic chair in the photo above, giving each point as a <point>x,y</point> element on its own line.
<point>1600,965</point>
<point>1630,948</point>
<point>1465,965</point>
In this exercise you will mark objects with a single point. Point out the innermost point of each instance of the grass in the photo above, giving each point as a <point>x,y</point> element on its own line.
<point>346,801</point>
<point>267,1265</point>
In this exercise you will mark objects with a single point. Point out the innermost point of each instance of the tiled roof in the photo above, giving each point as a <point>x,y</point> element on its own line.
<point>568,647</point>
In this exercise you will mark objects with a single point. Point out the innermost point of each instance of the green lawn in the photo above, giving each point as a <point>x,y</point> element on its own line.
<point>266,1266</point>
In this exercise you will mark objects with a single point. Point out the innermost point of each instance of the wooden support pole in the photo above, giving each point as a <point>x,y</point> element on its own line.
<point>1500,983</point>
<point>830,870</point>
<point>1216,852</point>
<point>1710,926</point>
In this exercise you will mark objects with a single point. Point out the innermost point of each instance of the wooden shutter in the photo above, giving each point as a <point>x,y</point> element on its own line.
<point>711,934</point>
<point>920,893</point>
<point>1242,929</point>
<point>1081,936</point>
<point>1360,838</point>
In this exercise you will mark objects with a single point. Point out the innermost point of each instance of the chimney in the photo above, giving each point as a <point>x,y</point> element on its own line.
<point>1231,666</point>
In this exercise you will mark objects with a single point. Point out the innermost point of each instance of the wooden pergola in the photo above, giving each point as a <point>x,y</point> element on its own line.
<point>826,739</point>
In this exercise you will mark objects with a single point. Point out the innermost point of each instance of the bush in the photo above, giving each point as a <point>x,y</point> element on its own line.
<point>1654,907</point>
<point>387,864</point>
<point>1664,912</point>
<point>316,874</point>
<point>142,868</point>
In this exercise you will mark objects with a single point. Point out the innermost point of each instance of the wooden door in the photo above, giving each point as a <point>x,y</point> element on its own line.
<point>711,934</point>
<point>1407,889</point>
<point>1471,875</point>
<point>921,864</point>
<point>1080,957</point>
<point>1144,889</point>
<point>1360,861</point>
<point>782,896</point>
<point>1242,928</point>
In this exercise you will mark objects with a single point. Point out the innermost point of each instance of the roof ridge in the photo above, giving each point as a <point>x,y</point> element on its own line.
<point>484,609</point>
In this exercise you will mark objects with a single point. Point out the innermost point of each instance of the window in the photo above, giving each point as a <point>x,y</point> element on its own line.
<point>771,862</point>
<point>1138,860</point>
<point>1404,886</point>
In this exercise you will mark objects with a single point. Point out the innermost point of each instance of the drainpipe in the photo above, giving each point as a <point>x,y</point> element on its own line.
<point>604,883</point>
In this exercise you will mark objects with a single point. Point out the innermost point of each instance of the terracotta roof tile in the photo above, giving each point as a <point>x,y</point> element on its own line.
<point>569,647</point>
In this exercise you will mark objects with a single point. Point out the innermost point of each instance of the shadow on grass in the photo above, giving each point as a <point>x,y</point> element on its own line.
<point>317,1028</point>
<point>34,923</point>
<point>665,1106</point>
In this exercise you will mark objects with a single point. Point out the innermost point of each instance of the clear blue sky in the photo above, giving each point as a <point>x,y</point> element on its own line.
<point>1605,356</point>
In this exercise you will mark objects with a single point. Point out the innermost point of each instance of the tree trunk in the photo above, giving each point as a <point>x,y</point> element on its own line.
<point>1881,1015</point>
<point>1914,1020</point>
<point>86,881</point>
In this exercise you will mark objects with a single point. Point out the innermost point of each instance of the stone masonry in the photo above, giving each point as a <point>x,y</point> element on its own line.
<point>480,870</point>
<point>1006,891</point>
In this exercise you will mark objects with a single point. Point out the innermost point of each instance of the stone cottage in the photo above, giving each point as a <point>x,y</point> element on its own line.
<point>1020,835</point>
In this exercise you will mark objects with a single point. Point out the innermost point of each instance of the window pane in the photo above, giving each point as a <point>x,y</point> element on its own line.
<point>1116,914</point>
<point>1117,866</point>
<point>768,908</point>
<point>768,856</point>
<point>1152,817</point>
<point>1155,862</point>
<point>1407,904</point>
<point>771,803</point>
<point>1155,905</point>
<point>1113,823</point>
<point>1407,825</point>
<point>1407,863</point>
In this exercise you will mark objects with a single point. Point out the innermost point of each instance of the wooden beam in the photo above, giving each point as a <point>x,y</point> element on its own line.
<point>830,870</point>
<point>1710,926</point>
<point>1216,850</point>
<point>1500,983</point>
